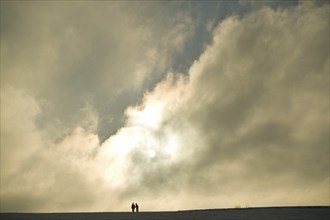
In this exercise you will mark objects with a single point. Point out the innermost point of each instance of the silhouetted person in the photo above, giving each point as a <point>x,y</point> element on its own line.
<point>133,207</point>
<point>137,207</point>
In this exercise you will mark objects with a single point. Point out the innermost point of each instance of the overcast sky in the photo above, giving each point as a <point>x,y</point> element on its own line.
<point>173,105</point>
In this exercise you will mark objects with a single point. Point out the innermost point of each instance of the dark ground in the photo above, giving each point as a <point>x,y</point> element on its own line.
<point>287,213</point>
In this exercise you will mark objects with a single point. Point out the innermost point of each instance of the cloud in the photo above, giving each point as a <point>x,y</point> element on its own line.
<point>104,52</point>
<point>17,111</point>
<point>247,125</point>
<point>35,172</point>
<point>253,112</point>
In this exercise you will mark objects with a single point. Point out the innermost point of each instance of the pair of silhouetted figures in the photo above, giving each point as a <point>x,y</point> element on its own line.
<point>135,207</point>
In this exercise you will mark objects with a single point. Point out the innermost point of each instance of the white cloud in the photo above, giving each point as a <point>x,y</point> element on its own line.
<point>18,132</point>
<point>33,168</point>
<point>248,124</point>
<point>252,113</point>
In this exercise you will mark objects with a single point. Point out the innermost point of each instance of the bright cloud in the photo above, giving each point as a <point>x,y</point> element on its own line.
<point>248,124</point>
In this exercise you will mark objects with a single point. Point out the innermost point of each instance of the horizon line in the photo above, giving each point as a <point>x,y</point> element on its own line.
<point>184,210</point>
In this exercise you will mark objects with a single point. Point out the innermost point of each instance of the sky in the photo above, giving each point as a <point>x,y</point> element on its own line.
<point>170,104</point>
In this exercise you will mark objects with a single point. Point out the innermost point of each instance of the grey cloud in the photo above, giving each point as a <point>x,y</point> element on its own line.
<point>258,100</point>
<point>262,77</point>
<point>103,52</point>
<point>247,124</point>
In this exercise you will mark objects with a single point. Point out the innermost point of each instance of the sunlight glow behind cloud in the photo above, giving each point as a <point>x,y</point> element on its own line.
<point>248,123</point>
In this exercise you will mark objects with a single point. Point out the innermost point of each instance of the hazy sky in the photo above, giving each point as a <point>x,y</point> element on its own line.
<point>173,105</point>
